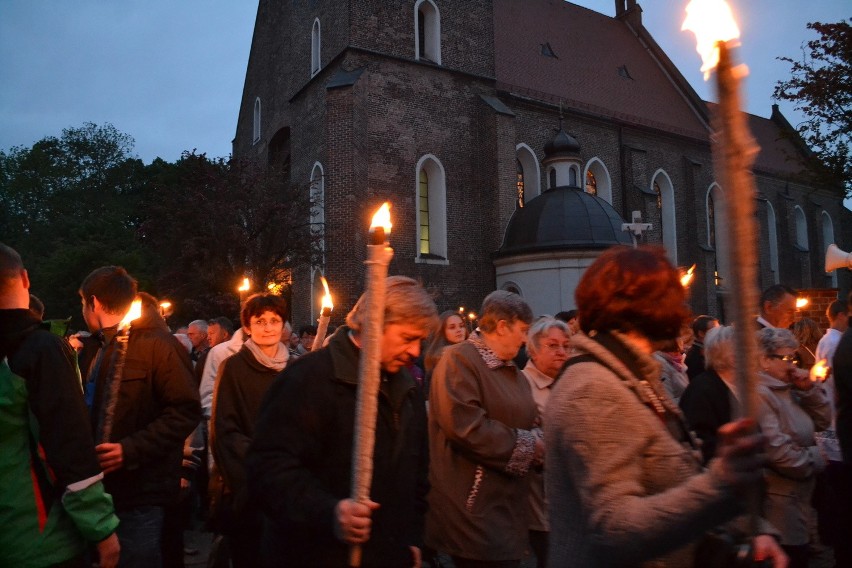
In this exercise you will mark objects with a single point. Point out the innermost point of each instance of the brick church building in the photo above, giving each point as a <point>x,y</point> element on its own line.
<point>512,139</point>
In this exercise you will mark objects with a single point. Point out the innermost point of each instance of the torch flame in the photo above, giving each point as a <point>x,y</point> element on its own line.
<point>165,305</point>
<point>686,279</point>
<point>382,218</point>
<point>711,21</point>
<point>819,371</point>
<point>326,299</point>
<point>245,286</point>
<point>135,312</point>
<point>801,303</point>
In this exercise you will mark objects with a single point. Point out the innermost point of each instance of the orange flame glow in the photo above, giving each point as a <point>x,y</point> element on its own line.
<point>382,218</point>
<point>326,299</point>
<point>801,303</point>
<point>245,286</point>
<point>135,312</point>
<point>711,21</point>
<point>819,371</point>
<point>686,279</point>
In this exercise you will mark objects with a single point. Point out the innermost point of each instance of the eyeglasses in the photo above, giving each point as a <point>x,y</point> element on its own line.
<point>786,358</point>
<point>264,322</point>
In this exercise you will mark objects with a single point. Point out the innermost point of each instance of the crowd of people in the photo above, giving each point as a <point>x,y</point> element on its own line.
<point>610,435</point>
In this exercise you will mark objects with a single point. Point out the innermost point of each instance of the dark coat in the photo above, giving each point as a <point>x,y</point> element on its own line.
<point>707,405</point>
<point>843,392</point>
<point>300,462</point>
<point>240,388</point>
<point>157,408</point>
<point>694,360</point>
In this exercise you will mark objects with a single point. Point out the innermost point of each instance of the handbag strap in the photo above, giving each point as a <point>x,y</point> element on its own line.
<point>653,401</point>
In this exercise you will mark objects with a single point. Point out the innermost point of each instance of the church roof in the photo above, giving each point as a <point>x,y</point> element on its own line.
<point>558,51</point>
<point>563,218</point>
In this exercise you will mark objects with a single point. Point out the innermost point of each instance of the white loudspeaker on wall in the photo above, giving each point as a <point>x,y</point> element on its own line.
<point>836,258</point>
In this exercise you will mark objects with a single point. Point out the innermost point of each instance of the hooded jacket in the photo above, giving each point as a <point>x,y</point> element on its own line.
<point>156,409</point>
<point>52,499</point>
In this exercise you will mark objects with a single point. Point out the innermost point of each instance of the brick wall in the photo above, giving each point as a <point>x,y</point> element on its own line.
<point>820,298</point>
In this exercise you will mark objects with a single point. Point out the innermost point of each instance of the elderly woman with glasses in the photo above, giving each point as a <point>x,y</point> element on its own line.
<point>791,408</point>
<point>548,346</point>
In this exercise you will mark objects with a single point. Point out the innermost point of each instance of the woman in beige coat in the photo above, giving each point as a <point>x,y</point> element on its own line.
<point>792,407</point>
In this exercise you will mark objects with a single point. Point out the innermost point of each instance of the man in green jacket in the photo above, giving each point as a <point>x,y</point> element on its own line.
<point>52,499</point>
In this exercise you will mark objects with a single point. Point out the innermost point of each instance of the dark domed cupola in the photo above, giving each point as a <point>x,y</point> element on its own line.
<point>563,218</point>
<point>562,145</point>
<point>562,160</point>
<point>554,237</point>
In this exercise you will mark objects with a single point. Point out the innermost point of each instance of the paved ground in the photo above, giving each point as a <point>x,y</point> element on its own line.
<point>202,541</point>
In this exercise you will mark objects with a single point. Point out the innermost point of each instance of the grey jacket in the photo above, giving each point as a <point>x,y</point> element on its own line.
<point>788,418</point>
<point>622,490</point>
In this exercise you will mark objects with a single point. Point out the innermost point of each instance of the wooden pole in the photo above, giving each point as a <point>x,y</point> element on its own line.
<point>734,151</point>
<point>379,255</point>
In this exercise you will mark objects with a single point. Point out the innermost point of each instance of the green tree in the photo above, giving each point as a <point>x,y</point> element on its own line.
<point>71,205</point>
<point>821,88</point>
<point>210,222</point>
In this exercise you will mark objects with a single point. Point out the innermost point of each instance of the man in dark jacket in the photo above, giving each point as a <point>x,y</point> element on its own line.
<point>300,463</point>
<point>842,472</point>
<point>145,405</point>
<point>52,494</point>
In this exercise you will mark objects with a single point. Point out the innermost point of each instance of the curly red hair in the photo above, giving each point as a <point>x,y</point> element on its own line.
<point>629,289</point>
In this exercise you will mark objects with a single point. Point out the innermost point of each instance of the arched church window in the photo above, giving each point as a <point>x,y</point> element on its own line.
<point>717,234</point>
<point>256,123</point>
<point>552,177</point>
<point>711,221</point>
<point>520,183</point>
<point>601,183</point>
<point>528,164</point>
<point>801,228</point>
<point>572,177</point>
<point>427,31</point>
<point>315,47</point>
<point>591,183</point>
<point>318,205</point>
<point>772,233</point>
<point>666,203</point>
<point>423,200</point>
<point>431,219</point>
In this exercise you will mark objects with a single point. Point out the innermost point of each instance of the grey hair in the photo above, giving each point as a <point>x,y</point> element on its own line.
<point>200,324</point>
<point>771,339</point>
<point>406,301</point>
<point>503,305</point>
<point>719,348</point>
<point>541,327</point>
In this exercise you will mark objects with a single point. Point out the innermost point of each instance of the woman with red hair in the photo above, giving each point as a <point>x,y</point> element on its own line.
<point>623,475</point>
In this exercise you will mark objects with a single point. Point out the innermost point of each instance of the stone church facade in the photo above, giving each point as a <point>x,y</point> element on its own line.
<point>444,109</point>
